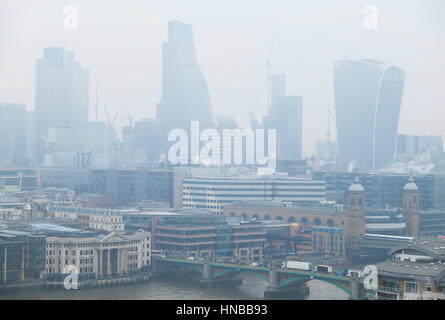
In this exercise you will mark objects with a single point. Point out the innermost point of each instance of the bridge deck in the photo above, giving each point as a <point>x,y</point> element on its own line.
<point>315,275</point>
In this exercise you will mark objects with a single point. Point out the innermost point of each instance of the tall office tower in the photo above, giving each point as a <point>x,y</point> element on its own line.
<point>62,93</point>
<point>277,89</point>
<point>288,123</point>
<point>12,134</point>
<point>368,95</point>
<point>185,95</point>
<point>30,123</point>
<point>148,139</point>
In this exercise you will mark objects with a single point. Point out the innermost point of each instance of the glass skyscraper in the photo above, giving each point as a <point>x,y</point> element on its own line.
<point>62,93</point>
<point>185,95</point>
<point>368,95</point>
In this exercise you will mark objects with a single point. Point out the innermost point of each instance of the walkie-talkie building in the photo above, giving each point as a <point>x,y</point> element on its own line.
<point>368,94</point>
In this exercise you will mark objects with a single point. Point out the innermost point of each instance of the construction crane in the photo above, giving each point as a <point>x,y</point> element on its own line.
<point>328,133</point>
<point>328,152</point>
<point>111,132</point>
<point>269,77</point>
<point>252,121</point>
<point>97,101</point>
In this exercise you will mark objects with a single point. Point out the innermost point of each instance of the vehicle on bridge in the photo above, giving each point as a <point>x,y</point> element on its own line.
<point>341,272</point>
<point>297,265</point>
<point>322,268</point>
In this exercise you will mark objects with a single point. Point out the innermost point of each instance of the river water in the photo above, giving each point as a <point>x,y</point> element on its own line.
<point>177,288</point>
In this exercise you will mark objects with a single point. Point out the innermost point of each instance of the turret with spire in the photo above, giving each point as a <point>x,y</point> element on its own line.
<point>355,219</point>
<point>411,206</point>
<point>356,198</point>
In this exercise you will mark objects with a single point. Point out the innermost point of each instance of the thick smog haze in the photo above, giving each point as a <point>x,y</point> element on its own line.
<point>121,43</point>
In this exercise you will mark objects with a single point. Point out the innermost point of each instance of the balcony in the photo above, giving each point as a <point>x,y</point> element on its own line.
<point>388,290</point>
<point>429,295</point>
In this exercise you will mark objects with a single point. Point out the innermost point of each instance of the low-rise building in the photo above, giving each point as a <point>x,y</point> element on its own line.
<point>209,235</point>
<point>22,256</point>
<point>214,193</point>
<point>414,271</point>
<point>93,218</point>
<point>96,256</point>
<point>329,241</point>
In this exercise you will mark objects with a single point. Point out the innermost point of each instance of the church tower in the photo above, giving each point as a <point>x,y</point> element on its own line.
<point>355,218</point>
<point>411,207</point>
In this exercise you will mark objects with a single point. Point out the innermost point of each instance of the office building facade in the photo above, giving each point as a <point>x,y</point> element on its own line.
<point>214,193</point>
<point>185,96</point>
<point>62,94</point>
<point>368,96</point>
<point>13,134</point>
<point>287,120</point>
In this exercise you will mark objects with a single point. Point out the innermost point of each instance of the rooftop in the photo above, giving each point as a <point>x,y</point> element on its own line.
<point>411,270</point>
<point>410,185</point>
<point>356,186</point>
<point>321,207</point>
<point>432,248</point>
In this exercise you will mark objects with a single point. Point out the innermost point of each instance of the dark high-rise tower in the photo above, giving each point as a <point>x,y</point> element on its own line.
<point>13,134</point>
<point>368,95</point>
<point>288,123</point>
<point>185,95</point>
<point>62,93</point>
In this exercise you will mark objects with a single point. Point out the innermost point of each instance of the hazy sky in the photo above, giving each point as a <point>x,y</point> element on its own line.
<point>120,41</point>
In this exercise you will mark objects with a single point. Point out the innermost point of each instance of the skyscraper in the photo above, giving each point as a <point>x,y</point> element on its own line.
<point>287,120</point>
<point>12,133</point>
<point>62,93</point>
<point>185,95</point>
<point>368,94</point>
<point>277,89</point>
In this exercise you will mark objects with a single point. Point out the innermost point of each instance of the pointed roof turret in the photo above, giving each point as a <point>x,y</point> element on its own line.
<point>356,186</point>
<point>410,185</point>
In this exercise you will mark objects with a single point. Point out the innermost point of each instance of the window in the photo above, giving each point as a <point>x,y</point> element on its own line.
<point>411,287</point>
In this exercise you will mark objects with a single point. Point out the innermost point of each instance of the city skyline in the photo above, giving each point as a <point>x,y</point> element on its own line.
<point>223,58</point>
<point>236,150</point>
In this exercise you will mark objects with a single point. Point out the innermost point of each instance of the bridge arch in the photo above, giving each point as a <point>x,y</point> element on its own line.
<point>330,223</point>
<point>267,217</point>
<point>279,218</point>
<point>244,216</point>
<point>291,219</point>
<point>255,216</point>
<point>232,214</point>
<point>334,283</point>
<point>317,222</point>
<point>217,274</point>
<point>286,282</point>
<point>304,221</point>
<point>186,265</point>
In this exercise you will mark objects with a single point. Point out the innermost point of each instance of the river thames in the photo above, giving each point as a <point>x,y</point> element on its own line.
<point>177,288</point>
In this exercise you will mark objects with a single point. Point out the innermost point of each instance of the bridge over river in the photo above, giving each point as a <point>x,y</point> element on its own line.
<point>277,279</point>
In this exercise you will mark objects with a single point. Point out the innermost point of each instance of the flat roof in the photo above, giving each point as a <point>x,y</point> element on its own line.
<point>411,270</point>
<point>432,248</point>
